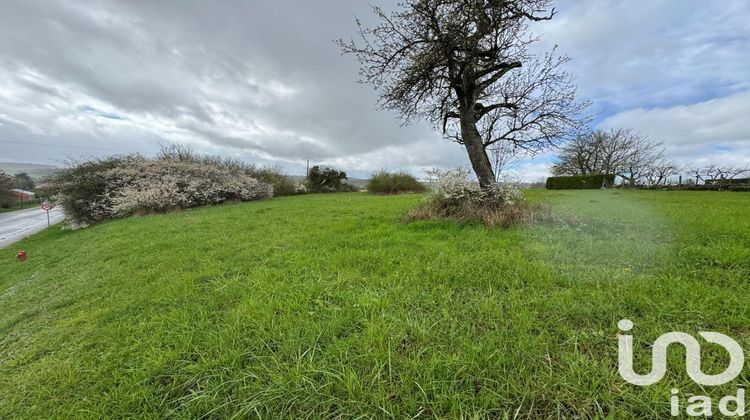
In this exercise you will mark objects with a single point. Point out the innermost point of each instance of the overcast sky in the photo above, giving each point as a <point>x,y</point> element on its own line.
<point>263,81</point>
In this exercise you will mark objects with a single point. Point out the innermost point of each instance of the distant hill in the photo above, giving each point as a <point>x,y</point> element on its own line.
<point>36,171</point>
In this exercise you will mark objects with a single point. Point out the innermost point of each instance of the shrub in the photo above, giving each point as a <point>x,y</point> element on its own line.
<point>6,183</point>
<point>327,179</point>
<point>344,187</point>
<point>455,188</point>
<point>393,183</point>
<point>82,188</point>
<point>457,197</point>
<point>282,183</point>
<point>119,186</point>
<point>580,182</point>
<point>152,186</point>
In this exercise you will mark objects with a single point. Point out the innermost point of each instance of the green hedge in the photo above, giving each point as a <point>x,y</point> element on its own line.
<point>580,182</point>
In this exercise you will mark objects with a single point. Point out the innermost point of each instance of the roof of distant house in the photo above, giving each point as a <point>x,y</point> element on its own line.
<point>24,192</point>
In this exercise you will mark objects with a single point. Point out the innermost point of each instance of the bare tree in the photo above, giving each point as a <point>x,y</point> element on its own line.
<point>704,173</point>
<point>597,152</point>
<point>713,173</point>
<point>466,66</point>
<point>660,172</point>
<point>731,172</point>
<point>503,158</point>
<point>642,155</point>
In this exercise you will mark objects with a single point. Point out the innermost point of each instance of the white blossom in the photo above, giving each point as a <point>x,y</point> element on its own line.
<point>455,187</point>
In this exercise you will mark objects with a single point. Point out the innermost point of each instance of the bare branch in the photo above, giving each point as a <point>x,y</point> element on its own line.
<point>443,60</point>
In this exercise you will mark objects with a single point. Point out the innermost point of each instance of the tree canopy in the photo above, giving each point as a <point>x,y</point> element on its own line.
<point>467,67</point>
<point>23,181</point>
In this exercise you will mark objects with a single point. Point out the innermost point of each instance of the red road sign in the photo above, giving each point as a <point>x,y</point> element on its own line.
<point>47,206</point>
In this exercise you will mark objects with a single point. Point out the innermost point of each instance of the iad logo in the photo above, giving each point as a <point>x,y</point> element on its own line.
<point>692,357</point>
<point>701,405</point>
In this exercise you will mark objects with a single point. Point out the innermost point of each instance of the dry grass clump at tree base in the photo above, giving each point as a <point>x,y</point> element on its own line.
<point>457,197</point>
<point>383,182</point>
<point>522,213</point>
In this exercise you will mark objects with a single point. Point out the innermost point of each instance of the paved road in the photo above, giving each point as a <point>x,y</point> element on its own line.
<point>17,225</point>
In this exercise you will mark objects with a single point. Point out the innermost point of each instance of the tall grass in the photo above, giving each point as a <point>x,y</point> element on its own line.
<point>327,306</point>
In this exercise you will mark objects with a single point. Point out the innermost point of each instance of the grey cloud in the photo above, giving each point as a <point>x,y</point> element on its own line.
<point>696,129</point>
<point>262,79</point>
<point>654,53</point>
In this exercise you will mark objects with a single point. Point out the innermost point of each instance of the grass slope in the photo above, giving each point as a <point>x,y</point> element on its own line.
<point>327,305</point>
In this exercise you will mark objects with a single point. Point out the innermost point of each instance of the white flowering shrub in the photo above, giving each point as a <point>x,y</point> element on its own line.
<point>122,186</point>
<point>456,196</point>
<point>503,194</point>
<point>160,185</point>
<point>454,187</point>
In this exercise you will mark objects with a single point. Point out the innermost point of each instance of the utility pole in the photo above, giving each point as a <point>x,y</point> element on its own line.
<point>307,171</point>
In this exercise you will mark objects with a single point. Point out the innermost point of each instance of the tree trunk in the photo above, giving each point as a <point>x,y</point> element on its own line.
<point>480,163</point>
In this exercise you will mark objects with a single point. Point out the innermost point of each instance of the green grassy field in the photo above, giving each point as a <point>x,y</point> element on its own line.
<point>330,306</point>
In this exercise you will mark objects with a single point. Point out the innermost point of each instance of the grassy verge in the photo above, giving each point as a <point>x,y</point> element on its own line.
<point>17,206</point>
<point>329,305</point>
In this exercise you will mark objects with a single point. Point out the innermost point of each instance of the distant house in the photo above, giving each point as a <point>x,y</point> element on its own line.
<point>22,195</point>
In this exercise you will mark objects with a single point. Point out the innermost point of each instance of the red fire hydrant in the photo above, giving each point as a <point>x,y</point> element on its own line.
<point>21,255</point>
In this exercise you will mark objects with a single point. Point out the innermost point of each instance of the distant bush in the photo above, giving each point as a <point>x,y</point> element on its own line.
<point>6,183</point>
<point>282,183</point>
<point>327,179</point>
<point>344,187</point>
<point>457,197</point>
<point>580,182</point>
<point>393,183</point>
<point>99,189</point>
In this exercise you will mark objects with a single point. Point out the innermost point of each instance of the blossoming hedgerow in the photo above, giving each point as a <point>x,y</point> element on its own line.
<point>121,186</point>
